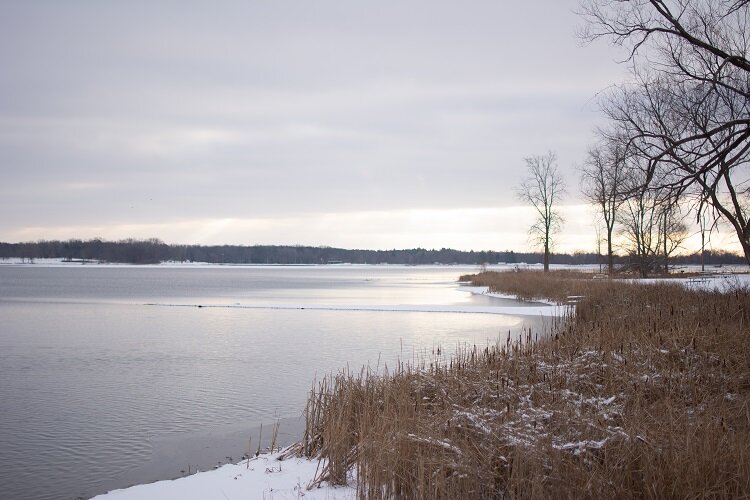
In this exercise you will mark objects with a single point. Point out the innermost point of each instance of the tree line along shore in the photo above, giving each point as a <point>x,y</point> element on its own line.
<point>154,251</point>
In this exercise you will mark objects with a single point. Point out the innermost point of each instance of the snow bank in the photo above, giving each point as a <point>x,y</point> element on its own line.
<point>260,478</point>
<point>485,290</point>
<point>710,282</point>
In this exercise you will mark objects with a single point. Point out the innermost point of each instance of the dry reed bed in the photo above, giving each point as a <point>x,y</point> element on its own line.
<point>644,392</point>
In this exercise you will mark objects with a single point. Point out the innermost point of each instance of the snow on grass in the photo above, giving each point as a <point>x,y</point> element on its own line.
<point>264,477</point>
<point>580,447</point>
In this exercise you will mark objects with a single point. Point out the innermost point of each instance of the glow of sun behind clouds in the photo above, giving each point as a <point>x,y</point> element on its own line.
<point>463,229</point>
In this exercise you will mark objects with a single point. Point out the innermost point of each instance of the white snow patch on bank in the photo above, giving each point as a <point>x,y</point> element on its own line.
<point>484,290</point>
<point>262,478</point>
<point>720,282</point>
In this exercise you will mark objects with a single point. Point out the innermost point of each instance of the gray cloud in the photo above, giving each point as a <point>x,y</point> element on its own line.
<point>136,112</point>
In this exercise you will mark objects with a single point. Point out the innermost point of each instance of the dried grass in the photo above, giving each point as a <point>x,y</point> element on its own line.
<point>643,393</point>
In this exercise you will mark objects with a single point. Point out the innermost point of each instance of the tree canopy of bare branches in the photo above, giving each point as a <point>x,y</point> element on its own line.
<point>602,176</point>
<point>542,189</point>
<point>687,108</point>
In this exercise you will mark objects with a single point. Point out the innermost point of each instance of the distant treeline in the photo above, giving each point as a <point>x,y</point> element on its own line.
<point>153,251</point>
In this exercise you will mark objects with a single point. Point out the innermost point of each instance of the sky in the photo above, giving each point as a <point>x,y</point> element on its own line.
<point>356,124</point>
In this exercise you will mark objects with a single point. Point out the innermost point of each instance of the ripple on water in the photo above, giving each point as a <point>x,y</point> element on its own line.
<point>92,378</point>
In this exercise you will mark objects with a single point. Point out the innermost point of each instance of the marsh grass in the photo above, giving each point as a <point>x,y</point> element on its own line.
<point>643,392</point>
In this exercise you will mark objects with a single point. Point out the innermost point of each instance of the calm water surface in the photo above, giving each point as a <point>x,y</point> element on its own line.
<point>113,375</point>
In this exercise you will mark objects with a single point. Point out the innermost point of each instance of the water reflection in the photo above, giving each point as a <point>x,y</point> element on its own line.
<point>93,378</point>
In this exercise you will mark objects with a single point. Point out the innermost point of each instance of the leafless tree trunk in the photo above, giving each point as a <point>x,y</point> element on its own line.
<point>598,232</point>
<point>542,189</point>
<point>701,217</point>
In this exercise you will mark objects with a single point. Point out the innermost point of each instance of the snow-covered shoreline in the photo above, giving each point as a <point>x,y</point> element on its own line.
<point>708,283</point>
<point>264,477</point>
<point>485,290</point>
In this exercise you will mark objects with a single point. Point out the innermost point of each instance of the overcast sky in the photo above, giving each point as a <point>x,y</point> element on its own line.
<point>367,124</point>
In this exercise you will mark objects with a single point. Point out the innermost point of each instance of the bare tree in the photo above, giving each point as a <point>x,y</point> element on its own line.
<point>649,114</point>
<point>543,188</point>
<point>651,218</point>
<point>639,220</point>
<point>688,107</point>
<point>601,183</point>
<point>672,228</point>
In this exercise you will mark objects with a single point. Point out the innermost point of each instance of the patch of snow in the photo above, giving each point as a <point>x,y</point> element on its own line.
<point>484,290</point>
<point>582,446</point>
<point>709,282</point>
<point>259,478</point>
<point>475,421</point>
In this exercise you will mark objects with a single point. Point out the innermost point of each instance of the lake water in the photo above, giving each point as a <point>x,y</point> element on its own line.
<point>112,375</point>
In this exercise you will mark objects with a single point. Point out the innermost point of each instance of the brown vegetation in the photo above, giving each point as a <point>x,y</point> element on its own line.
<point>644,392</point>
<point>531,285</point>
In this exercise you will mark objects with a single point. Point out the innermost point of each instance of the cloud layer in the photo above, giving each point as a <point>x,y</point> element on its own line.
<point>127,115</point>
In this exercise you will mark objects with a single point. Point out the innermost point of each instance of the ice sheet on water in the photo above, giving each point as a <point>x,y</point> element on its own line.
<point>540,311</point>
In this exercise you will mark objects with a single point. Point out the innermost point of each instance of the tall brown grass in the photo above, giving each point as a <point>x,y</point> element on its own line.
<point>644,392</point>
